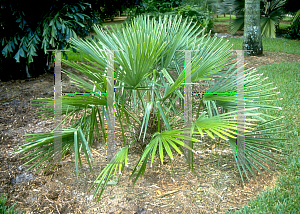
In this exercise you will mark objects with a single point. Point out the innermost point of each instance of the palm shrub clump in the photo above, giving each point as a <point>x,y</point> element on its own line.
<point>149,70</point>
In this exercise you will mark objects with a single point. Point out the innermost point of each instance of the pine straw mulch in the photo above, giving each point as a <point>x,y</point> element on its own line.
<point>214,186</point>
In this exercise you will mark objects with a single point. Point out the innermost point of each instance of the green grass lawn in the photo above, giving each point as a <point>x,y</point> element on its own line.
<point>287,18</point>
<point>269,44</point>
<point>226,20</point>
<point>221,23</point>
<point>284,25</point>
<point>227,17</point>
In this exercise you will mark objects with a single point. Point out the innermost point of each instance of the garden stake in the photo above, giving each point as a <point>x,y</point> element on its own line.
<point>57,106</point>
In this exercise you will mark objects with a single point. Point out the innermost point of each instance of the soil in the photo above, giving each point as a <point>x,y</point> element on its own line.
<point>214,186</point>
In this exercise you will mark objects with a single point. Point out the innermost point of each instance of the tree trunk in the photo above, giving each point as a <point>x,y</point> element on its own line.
<point>252,30</point>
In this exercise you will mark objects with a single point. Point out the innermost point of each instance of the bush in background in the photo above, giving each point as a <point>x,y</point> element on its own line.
<point>294,30</point>
<point>198,14</point>
<point>26,34</point>
<point>156,8</point>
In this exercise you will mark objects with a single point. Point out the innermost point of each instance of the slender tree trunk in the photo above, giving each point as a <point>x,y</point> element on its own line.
<point>252,30</point>
<point>27,72</point>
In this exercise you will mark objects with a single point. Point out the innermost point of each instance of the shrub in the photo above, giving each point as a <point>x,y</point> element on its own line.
<point>199,16</point>
<point>24,38</point>
<point>150,80</point>
<point>294,30</point>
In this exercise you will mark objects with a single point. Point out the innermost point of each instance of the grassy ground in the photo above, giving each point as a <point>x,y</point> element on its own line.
<point>4,209</point>
<point>269,44</point>
<point>227,17</point>
<point>221,23</point>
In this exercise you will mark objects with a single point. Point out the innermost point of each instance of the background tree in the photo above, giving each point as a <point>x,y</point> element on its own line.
<point>111,8</point>
<point>27,32</point>
<point>271,12</point>
<point>252,30</point>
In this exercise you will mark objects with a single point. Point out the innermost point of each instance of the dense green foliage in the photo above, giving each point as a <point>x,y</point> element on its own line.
<point>27,32</point>
<point>111,8</point>
<point>155,6</point>
<point>199,15</point>
<point>294,29</point>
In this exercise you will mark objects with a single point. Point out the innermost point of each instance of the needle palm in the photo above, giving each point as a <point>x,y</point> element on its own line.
<point>149,78</point>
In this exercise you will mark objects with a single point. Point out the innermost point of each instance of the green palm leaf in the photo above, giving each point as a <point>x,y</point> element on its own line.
<point>163,141</point>
<point>41,146</point>
<point>116,164</point>
<point>259,149</point>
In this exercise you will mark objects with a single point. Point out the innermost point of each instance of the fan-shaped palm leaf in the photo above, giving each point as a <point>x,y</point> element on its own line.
<point>163,141</point>
<point>116,164</point>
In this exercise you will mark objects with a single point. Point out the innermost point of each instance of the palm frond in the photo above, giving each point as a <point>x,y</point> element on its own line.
<point>109,172</point>
<point>236,25</point>
<point>163,141</point>
<point>259,149</point>
<point>41,146</point>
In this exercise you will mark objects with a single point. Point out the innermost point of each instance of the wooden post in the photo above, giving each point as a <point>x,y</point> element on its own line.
<point>57,107</point>
<point>188,106</point>
<point>240,140</point>
<point>110,106</point>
